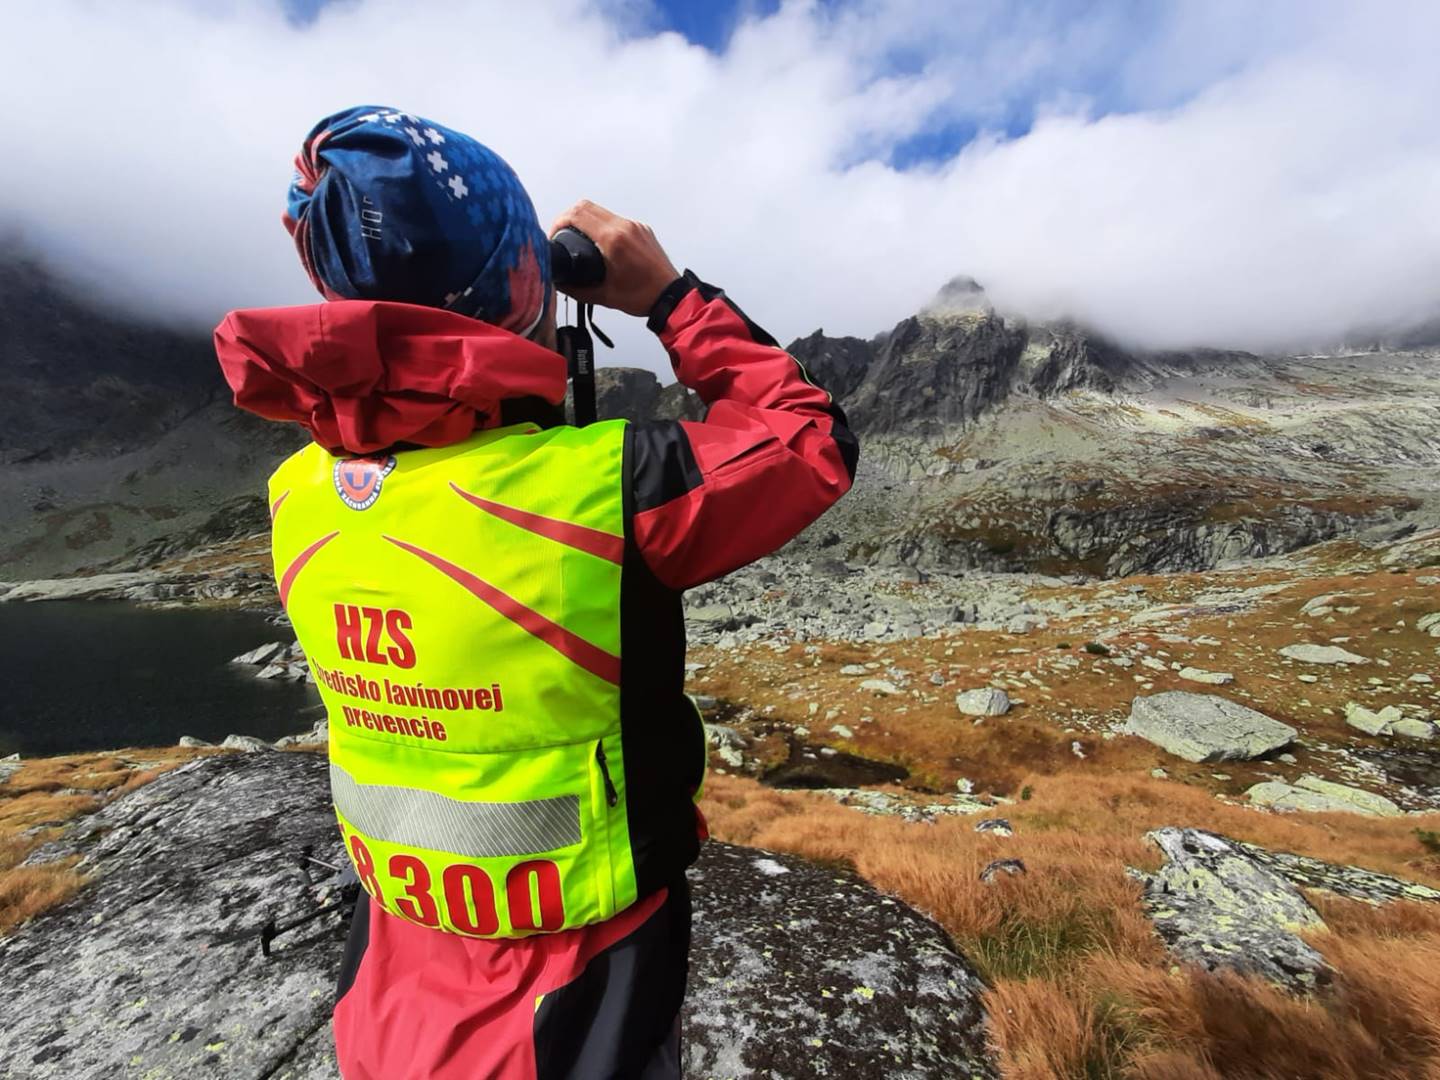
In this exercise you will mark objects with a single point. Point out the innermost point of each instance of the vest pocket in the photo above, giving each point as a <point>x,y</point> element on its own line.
<point>604,798</point>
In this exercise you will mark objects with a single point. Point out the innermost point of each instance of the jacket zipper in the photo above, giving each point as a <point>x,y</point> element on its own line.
<point>612,797</point>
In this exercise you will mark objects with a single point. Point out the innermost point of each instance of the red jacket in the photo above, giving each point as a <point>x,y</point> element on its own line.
<point>772,453</point>
<point>702,498</point>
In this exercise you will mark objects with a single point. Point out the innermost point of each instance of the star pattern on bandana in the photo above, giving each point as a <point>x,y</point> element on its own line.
<point>475,196</point>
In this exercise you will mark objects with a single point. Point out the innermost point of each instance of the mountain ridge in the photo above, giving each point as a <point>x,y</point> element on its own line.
<point>989,441</point>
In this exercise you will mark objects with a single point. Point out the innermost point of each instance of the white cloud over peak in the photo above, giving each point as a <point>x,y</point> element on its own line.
<point>1242,175</point>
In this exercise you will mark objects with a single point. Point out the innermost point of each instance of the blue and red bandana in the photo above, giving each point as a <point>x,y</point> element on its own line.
<point>386,205</point>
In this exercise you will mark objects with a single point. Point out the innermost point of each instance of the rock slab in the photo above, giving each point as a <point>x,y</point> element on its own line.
<point>1312,794</point>
<point>781,985</point>
<point>1216,907</point>
<point>1370,722</point>
<point>1212,678</point>
<point>1321,654</point>
<point>1205,727</point>
<point>154,970</point>
<point>1351,882</point>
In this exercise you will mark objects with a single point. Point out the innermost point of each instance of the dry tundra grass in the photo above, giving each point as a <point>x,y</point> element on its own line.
<point>1081,986</point>
<point>43,795</point>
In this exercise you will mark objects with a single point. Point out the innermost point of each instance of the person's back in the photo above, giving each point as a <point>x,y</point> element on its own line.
<point>490,601</point>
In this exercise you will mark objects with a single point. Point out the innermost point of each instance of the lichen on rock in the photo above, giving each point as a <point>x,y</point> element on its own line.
<point>1216,907</point>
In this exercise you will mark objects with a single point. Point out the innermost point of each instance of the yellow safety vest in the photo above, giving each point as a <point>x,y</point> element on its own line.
<point>460,611</point>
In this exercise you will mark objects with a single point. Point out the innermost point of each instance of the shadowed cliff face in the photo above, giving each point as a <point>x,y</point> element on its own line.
<point>154,969</point>
<point>79,382</point>
<point>635,394</point>
<point>941,369</point>
<point>112,433</point>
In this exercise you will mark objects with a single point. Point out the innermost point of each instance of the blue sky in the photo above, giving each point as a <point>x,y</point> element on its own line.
<point>1095,43</point>
<point>707,23</point>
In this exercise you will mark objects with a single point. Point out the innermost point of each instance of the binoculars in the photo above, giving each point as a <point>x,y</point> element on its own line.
<point>574,259</point>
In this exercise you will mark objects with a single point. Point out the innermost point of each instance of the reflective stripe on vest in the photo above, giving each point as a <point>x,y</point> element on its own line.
<point>424,819</point>
<point>459,608</point>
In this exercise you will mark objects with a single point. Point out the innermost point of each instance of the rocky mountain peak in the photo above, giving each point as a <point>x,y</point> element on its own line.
<point>635,394</point>
<point>957,359</point>
<point>960,295</point>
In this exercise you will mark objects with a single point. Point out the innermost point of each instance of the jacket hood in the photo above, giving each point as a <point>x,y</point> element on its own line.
<point>363,375</point>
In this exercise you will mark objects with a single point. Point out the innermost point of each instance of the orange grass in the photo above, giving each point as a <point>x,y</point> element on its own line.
<point>44,794</point>
<point>1081,985</point>
<point>25,891</point>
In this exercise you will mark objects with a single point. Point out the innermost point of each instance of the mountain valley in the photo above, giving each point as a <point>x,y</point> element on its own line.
<point>1123,667</point>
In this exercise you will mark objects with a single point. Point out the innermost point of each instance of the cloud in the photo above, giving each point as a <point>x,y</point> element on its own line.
<point>1243,175</point>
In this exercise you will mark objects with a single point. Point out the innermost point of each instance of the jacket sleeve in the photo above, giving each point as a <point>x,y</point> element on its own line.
<point>772,454</point>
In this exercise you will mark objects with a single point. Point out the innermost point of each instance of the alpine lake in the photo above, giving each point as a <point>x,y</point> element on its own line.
<point>82,676</point>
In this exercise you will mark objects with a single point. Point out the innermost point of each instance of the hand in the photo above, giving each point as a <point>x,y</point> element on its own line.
<point>636,266</point>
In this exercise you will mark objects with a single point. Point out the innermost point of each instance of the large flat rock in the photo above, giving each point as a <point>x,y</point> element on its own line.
<point>1321,654</point>
<point>1310,793</point>
<point>1206,727</point>
<point>154,971</point>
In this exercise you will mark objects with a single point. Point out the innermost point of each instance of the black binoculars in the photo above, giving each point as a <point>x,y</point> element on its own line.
<point>574,259</point>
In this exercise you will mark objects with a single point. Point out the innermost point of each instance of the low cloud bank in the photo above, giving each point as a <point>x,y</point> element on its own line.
<point>1247,176</point>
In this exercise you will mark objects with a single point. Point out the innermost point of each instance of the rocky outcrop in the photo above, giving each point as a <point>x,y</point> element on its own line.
<point>1216,907</point>
<point>146,586</point>
<point>1321,654</point>
<point>954,361</point>
<point>933,373</point>
<point>635,394</point>
<point>1371,722</point>
<point>995,444</point>
<point>278,660</point>
<point>678,402</point>
<point>1171,533</point>
<point>1222,903</point>
<point>625,392</point>
<point>155,970</point>
<point>1351,882</point>
<point>784,986</point>
<point>838,364</point>
<point>234,519</point>
<point>987,701</point>
<point>1205,727</point>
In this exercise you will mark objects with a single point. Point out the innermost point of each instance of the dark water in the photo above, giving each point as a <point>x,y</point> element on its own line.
<point>91,676</point>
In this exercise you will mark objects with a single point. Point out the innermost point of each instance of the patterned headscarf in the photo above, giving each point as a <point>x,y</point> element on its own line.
<point>386,205</point>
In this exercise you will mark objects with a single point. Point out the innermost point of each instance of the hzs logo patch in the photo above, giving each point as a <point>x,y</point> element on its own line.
<point>358,480</point>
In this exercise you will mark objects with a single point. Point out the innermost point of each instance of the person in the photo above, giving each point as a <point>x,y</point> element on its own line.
<point>490,600</point>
